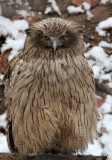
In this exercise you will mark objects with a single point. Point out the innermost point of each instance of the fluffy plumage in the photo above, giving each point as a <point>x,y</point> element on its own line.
<point>50,94</point>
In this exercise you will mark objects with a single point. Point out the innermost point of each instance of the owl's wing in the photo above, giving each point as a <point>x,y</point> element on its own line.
<point>7,78</point>
<point>8,97</point>
<point>84,102</point>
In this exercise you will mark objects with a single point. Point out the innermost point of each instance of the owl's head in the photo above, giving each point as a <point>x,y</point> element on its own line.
<point>55,35</point>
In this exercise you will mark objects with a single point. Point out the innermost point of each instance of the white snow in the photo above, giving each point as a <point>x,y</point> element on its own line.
<point>107,106</point>
<point>3,144</point>
<point>89,15</point>
<point>1,76</point>
<point>19,2</point>
<point>103,25</point>
<point>107,140</point>
<point>14,44</point>
<point>86,45</point>
<point>3,140</point>
<point>47,10</point>
<point>105,1</point>
<point>110,84</point>
<point>81,9</point>
<point>3,120</point>
<point>16,30</point>
<point>94,149</point>
<point>76,10</point>
<point>105,44</point>
<point>100,62</point>
<point>13,27</point>
<point>98,53</point>
<point>86,5</point>
<point>106,122</point>
<point>25,13</point>
<point>100,57</point>
<point>55,6</point>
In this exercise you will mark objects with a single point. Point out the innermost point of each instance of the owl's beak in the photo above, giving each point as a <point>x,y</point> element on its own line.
<point>54,44</point>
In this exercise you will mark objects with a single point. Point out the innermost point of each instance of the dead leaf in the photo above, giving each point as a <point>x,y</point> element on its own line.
<point>108,51</point>
<point>32,19</point>
<point>4,60</point>
<point>17,17</point>
<point>101,13</point>
<point>93,3</point>
<point>104,130</point>
<point>100,101</point>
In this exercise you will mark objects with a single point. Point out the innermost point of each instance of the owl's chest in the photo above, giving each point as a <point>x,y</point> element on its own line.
<point>44,80</point>
<point>43,73</point>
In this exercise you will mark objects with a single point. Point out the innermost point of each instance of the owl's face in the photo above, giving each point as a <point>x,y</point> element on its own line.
<point>52,41</point>
<point>54,34</point>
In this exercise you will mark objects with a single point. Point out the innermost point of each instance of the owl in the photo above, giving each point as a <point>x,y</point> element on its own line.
<point>50,92</point>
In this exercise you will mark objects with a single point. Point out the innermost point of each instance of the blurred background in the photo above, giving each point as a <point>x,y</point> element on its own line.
<point>96,18</point>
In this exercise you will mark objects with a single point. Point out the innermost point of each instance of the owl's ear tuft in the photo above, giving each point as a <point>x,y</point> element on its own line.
<point>81,29</point>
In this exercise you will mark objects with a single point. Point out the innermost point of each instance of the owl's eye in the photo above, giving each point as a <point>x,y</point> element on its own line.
<point>63,37</point>
<point>44,37</point>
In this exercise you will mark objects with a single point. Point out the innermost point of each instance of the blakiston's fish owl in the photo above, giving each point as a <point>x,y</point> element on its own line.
<point>49,91</point>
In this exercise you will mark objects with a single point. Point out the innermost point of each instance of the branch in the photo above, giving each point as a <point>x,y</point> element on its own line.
<point>8,156</point>
<point>103,87</point>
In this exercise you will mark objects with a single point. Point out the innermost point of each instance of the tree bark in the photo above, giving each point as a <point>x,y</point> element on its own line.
<point>8,156</point>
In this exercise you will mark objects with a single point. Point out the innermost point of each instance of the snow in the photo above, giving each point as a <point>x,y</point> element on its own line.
<point>103,25</point>
<point>1,76</point>
<point>110,84</point>
<point>100,57</point>
<point>106,122</point>
<point>89,15</point>
<point>107,140</point>
<point>47,10</point>
<point>3,140</point>
<point>55,6</point>
<point>23,13</point>
<point>86,5</point>
<point>94,149</point>
<point>76,10</point>
<point>104,1</point>
<point>86,45</point>
<point>105,44</point>
<point>3,120</point>
<point>14,44</point>
<point>19,2</point>
<point>16,30</point>
<point>81,9</point>
<point>107,106</point>
<point>13,27</point>
<point>3,144</point>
